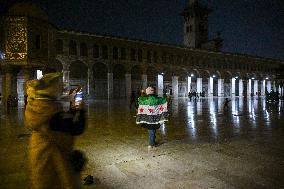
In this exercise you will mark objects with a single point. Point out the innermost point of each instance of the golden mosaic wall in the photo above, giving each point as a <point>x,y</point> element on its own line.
<point>16,47</point>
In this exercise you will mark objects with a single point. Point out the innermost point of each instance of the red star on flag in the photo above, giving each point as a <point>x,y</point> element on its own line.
<point>161,108</point>
<point>141,110</point>
<point>151,110</point>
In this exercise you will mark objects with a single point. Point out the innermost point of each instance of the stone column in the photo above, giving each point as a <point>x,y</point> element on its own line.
<point>210,87</point>
<point>6,88</point>
<point>274,86</point>
<point>110,85</point>
<point>144,81</point>
<point>188,79</point>
<point>128,85</point>
<point>175,86</point>
<point>90,83</point>
<point>241,88</point>
<point>255,87</point>
<point>199,85</point>
<point>249,88</point>
<point>262,87</point>
<point>220,87</point>
<point>269,86</point>
<point>66,78</point>
<point>160,84</point>
<point>233,87</point>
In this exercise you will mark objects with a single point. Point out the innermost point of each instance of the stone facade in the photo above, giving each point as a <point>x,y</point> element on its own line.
<point>112,67</point>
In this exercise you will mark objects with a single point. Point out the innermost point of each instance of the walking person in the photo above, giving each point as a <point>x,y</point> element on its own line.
<point>152,112</point>
<point>53,161</point>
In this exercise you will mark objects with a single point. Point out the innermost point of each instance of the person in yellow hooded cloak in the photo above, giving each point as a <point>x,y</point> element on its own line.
<point>51,142</point>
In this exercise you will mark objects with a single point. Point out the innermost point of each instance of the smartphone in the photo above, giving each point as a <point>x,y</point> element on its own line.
<point>78,98</point>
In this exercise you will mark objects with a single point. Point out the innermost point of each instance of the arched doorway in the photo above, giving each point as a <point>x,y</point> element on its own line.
<point>78,75</point>
<point>136,75</point>
<point>119,85</point>
<point>100,87</point>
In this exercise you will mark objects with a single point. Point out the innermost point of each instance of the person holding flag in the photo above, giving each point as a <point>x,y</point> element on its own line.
<point>152,112</point>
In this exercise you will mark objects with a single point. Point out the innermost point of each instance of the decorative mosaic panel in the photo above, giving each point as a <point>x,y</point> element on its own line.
<point>16,39</point>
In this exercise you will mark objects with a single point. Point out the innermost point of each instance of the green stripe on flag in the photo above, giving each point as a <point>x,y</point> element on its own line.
<point>152,100</point>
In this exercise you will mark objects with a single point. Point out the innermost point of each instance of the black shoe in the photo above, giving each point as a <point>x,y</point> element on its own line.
<point>89,180</point>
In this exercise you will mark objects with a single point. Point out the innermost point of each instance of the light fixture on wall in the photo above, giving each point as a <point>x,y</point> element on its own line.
<point>192,75</point>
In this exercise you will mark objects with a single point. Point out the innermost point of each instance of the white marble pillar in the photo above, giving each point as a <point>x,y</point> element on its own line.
<point>66,80</point>
<point>110,85</point>
<point>255,87</point>
<point>233,87</point>
<point>269,86</point>
<point>175,86</point>
<point>199,85</point>
<point>144,81</point>
<point>210,87</point>
<point>160,84</point>
<point>220,87</point>
<point>90,82</point>
<point>262,90</point>
<point>241,88</point>
<point>274,86</point>
<point>249,88</point>
<point>128,85</point>
<point>188,85</point>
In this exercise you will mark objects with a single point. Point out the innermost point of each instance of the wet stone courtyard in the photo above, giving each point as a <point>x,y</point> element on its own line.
<point>201,146</point>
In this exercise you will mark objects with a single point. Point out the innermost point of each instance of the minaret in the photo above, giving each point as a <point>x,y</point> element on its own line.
<point>195,24</point>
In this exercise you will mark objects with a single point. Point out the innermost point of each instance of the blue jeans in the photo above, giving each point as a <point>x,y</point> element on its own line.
<point>152,136</point>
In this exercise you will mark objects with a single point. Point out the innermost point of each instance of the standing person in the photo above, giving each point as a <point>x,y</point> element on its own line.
<point>53,163</point>
<point>226,104</point>
<point>152,112</point>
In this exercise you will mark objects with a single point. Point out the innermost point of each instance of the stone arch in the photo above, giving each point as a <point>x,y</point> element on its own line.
<point>100,71</point>
<point>119,72</point>
<point>152,73</point>
<point>119,81</point>
<point>136,75</point>
<point>204,74</point>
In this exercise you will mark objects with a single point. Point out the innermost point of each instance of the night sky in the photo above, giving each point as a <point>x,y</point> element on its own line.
<point>254,27</point>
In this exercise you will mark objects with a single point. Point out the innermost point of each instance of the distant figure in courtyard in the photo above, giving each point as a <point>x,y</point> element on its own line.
<point>190,95</point>
<point>226,104</point>
<point>53,162</point>
<point>152,112</point>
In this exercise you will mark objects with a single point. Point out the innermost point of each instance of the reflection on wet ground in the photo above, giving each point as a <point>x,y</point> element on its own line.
<point>203,145</point>
<point>200,120</point>
<point>197,120</point>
